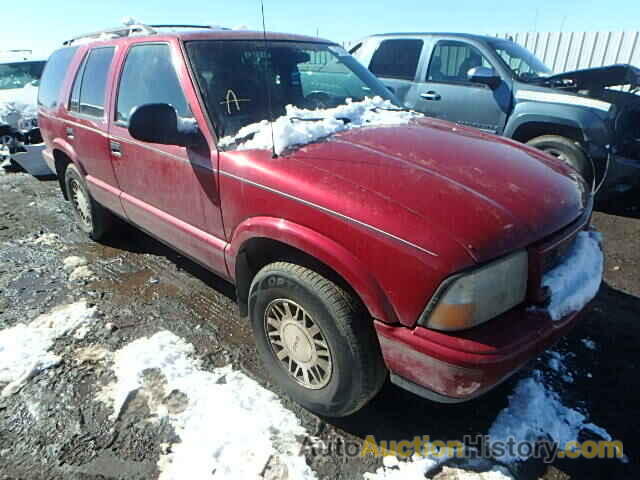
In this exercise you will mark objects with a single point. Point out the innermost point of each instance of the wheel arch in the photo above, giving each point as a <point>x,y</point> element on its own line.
<point>263,240</point>
<point>532,128</point>
<point>64,154</point>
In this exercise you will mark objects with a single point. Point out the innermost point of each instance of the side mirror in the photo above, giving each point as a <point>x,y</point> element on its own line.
<point>160,123</point>
<point>484,75</point>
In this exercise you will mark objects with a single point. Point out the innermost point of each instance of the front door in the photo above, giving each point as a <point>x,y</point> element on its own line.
<point>446,92</point>
<point>167,190</point>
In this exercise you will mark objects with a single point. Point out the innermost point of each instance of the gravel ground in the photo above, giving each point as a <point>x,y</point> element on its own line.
<point>57,427</point>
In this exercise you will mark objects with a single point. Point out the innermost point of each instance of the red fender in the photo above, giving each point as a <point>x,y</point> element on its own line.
<point>320,247</point>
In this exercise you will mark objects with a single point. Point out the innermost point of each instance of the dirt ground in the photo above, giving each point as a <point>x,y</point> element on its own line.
<point>56,428</point>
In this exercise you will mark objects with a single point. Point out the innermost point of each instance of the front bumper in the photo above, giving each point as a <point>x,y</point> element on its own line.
<point>452,368</point>
<point>623,174</point>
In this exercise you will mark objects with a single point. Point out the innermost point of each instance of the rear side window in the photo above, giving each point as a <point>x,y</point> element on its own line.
<point>53,76</point>
<point>88,93</point>
<point>148,76</point>
<point>397,59</point>
<point>452,60</point>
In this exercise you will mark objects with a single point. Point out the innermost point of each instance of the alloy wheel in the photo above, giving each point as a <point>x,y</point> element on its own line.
<point>298,343</point>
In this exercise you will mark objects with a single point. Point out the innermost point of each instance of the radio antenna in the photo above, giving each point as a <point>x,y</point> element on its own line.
<point>267,82</point>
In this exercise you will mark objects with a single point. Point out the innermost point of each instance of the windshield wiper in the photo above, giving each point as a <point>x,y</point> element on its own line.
<point>345,120</point>
<point>398,109</point>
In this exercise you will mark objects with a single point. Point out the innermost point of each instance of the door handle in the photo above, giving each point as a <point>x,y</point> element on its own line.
<point>115,148</point>
<point>70,133</point>
<point>431,95</point>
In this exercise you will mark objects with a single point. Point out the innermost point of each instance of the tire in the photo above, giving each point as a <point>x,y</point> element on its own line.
<point>567,150</point>
<point>93,218</point>
<point>341,356</point>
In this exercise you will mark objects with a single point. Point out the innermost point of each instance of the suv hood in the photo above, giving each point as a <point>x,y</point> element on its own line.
<point>596,78</point>
<point>431,182</point>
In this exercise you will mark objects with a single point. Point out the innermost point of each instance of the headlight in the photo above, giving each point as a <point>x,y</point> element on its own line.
<point>469,299</point>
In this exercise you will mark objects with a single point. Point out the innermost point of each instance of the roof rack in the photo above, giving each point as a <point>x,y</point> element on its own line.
<point>131,30</point>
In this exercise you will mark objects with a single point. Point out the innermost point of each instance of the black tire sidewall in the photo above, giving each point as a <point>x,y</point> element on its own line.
<point>72,173</point>
<point>576,158</point>
<point>337,397</point>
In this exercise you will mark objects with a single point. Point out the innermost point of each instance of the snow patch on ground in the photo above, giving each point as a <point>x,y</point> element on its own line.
<point>24,349</point>
<point>535,412</point>
<point>227,423</point>
<point>449,473</point>
<point>288,131</point>
<point>576,281</point>
<point>419,466</point>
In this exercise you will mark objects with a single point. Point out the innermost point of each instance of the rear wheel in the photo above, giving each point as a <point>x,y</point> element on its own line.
<point>567,150</point>
<point>93,218</point>
<point>315,340</point>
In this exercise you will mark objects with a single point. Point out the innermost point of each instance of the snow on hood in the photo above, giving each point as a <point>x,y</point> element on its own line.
<point>576,281</point>
<point>297,126</point>
<point>227,423</point>
<point>18,105</point>
<point>24,349</point>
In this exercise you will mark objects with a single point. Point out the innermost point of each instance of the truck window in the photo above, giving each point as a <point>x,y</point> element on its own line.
<point>148,76</point>
<point>88,93</point>
<point>451,60</point>
<point>53,76</point>
<point>397,59</point>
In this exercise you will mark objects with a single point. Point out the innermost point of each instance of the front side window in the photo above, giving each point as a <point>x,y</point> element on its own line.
<point>148,76</point>
<point>88,93</point>
<point>53,76</point>
<point>452,60</point>
<point>245,82</point>
<point>397,59</point>
<point>524,64</point>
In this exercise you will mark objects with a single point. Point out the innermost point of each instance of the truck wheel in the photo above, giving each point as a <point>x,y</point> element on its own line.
<point>568,151</point>
<point>317,343</point>
<point>93,218</point>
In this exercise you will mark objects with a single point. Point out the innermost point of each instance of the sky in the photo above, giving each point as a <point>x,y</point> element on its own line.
<point>42,25</point>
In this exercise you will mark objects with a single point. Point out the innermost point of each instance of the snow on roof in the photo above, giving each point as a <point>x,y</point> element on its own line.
<point>301,126</point>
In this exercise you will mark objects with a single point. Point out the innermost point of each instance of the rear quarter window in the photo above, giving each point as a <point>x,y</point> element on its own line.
<point>53,76</point>
<point>88,93</point>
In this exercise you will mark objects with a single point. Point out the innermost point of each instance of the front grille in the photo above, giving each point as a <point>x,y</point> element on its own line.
<point>549,253</point>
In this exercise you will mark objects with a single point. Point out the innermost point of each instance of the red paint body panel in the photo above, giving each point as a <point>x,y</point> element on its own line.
<point>394,210</point>
<point>464,365</point>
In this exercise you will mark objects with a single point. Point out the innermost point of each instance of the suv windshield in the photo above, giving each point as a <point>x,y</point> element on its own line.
<point>238,79</point>
<point>524,64</point>
<point>20,74</point>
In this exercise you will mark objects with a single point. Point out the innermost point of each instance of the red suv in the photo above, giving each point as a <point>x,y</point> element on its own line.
<point>362,239</point>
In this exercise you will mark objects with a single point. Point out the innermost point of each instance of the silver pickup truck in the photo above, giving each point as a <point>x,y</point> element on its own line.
<point>498,86</point>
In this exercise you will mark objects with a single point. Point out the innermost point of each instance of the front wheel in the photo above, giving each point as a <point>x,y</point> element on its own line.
<point>568,151</point>
<point>315,340</point>
<point>93,218</point>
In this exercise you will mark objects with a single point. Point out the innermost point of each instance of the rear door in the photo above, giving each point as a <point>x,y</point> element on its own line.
<point>445,92</point>
<point>167,190</point>
<point>395,62</point>
<point>86,125</point>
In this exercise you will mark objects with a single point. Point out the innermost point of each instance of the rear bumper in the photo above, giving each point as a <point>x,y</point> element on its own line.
<point>454,368</point>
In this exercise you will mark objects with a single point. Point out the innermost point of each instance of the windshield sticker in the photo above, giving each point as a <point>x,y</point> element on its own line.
<point>232,99</point>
